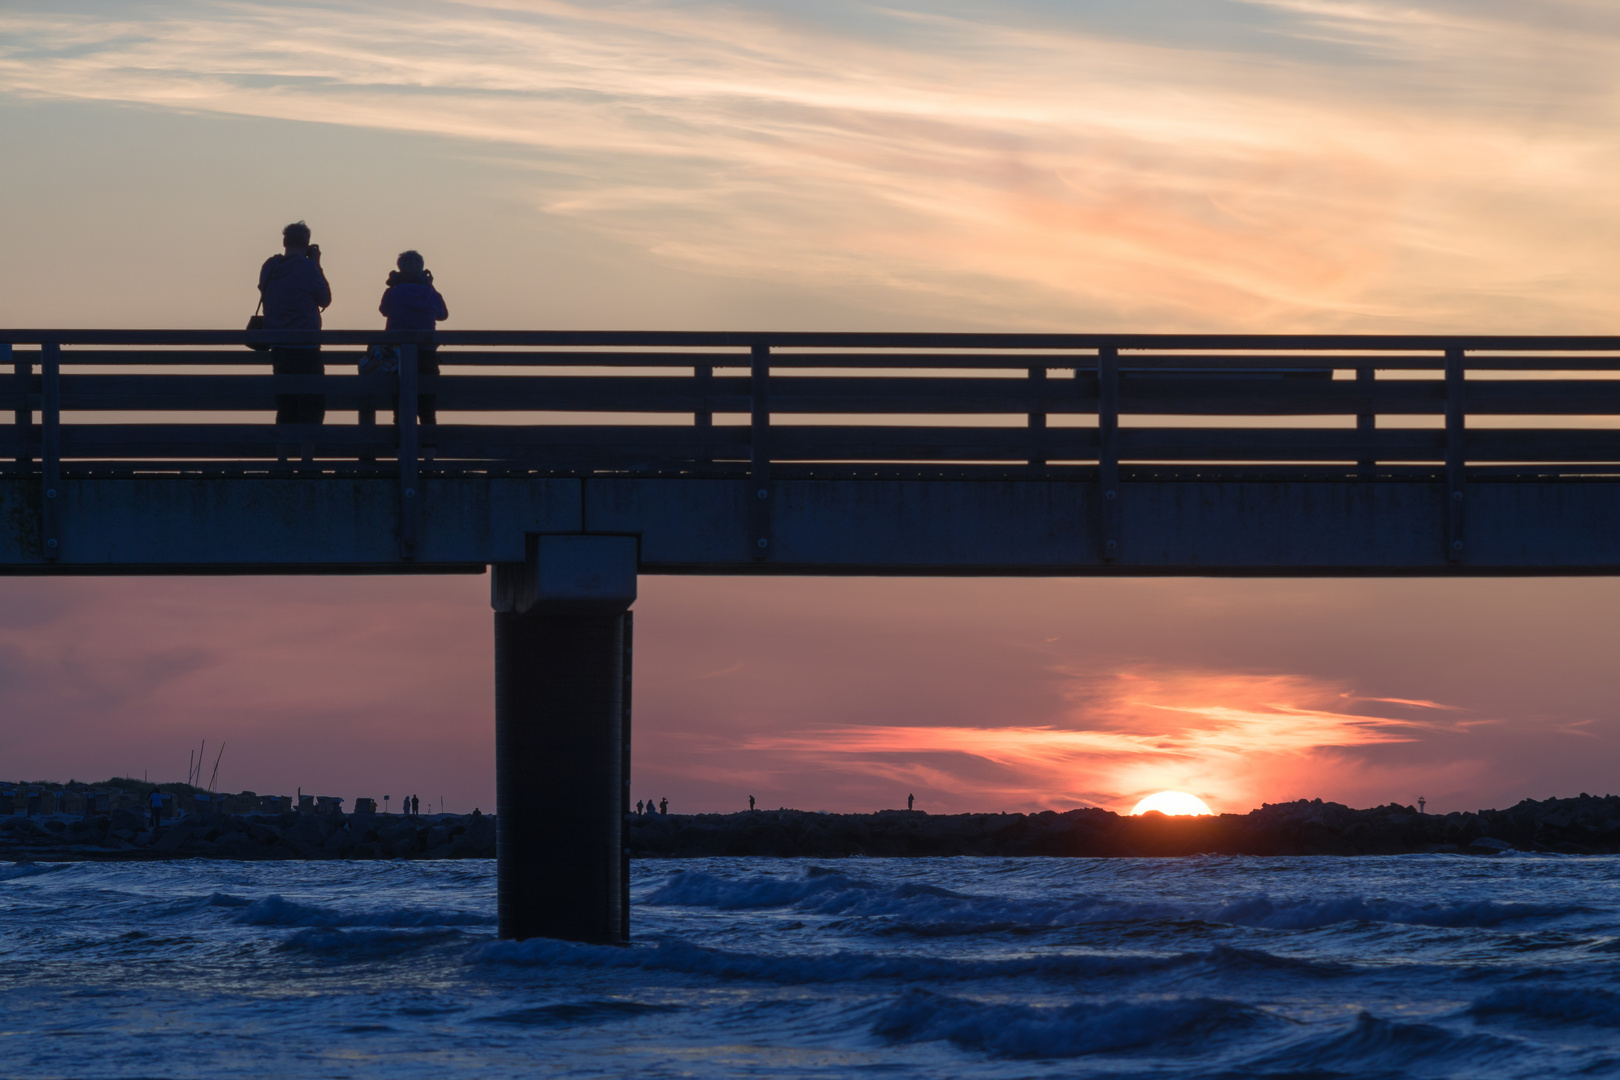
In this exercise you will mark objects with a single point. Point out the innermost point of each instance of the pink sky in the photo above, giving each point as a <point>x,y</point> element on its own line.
<point>1144,165</point>
<point>847,694</point>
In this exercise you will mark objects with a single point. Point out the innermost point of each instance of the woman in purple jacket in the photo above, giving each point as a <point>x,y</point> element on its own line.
<point>412,303</point>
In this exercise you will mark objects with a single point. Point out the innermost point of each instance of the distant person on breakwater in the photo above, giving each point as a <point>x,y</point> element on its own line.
<point>750,804</point>
<point>295,292</point>
<point>412,303</point>
<point>154,801</point>
<point>638,806</point>
<point>911,801</point>
<point>416,806</point>
<point>663,806</point>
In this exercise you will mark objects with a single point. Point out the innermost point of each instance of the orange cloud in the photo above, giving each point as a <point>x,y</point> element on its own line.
<point>1233,739</point>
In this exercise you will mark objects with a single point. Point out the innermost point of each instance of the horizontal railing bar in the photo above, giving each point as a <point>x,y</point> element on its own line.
<point>844,340</point>
<point>1177,365</point>
<point>176,357</point>
<point>1140,394</point>
<point>1568,472</point>
<point>1256,364</point>
<point>606,444</point>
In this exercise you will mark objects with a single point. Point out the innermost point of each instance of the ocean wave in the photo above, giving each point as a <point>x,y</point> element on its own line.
<point>830,892</point>
<point>277,911</point>
<point>1551,1004</point>
<point>1228,958</point>
<point>1064,1031</point>
<point>676,955</point>
<point>833,892</point>
<point>18,871</point>
<point>1267,913</point>
<point>1374,1047</point>
<point>333,943</point>
<point>929,911</point>
<point>680,956</point>
<point>576,1013</point>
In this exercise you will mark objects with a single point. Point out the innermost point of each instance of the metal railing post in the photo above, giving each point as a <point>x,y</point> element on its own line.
<point>409,482</point>
<point>759,445</point>
<point>1037,420</point>
<point>1456,416</point>
<point>1367,422</point>
<point>50,455</point>
<point>23,380</point>
<point>1108,448</point>
<point>703,420</point>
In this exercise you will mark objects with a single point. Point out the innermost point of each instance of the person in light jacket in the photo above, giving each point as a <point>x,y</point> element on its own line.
<point>412,303</point>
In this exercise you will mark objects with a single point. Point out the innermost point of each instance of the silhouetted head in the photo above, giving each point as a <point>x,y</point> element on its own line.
<point>410,262</point>
<point>296,235</point>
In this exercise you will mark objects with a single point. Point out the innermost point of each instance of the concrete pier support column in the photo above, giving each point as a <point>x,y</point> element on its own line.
<point>561,738</point>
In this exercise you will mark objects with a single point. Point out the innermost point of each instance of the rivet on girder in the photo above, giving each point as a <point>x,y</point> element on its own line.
<point>51,543</point>
<point>1456,496</point>
<point>410,493</point>
<point>1108,495</point>
<point>763,493</point>
<point>50,493</point>
<point>763,543</point>
<point>1456,545</point>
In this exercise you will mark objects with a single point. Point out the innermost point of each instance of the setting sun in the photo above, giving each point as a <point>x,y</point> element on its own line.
<point>1175,803</point>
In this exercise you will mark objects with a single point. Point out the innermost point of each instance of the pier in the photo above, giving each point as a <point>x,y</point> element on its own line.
<point>567,464</point>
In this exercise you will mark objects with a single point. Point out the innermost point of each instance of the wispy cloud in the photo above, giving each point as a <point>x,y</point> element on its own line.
<point>1418,703</point>
<point>1011,166</point>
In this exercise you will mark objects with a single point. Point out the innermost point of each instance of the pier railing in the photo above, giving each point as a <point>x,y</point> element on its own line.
<point>111,402</point>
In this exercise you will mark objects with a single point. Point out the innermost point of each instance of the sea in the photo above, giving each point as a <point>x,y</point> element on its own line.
<point>1407,966</point>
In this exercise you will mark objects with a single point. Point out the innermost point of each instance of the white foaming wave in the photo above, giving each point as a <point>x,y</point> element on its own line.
<point>929,909</point>
<point>276,910</point>
<point>1064,1031</point>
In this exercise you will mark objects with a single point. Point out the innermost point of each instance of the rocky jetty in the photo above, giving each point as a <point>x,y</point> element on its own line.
<point>1579,826</point>
<point>123,834</point>
<point>1588,825</point>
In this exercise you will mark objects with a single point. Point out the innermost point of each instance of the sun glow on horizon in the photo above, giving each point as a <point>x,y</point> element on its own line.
<point>1174,803</point>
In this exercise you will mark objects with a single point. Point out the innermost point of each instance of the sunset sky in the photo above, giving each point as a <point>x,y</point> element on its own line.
<point>1147,165</point>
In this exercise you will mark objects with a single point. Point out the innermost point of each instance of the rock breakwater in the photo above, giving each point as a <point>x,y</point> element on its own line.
<point>1584,825</point>
<point>123,834</point>
<point>1587,825</point>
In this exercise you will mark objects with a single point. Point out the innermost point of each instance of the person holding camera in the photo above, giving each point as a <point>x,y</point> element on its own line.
<point>410,302</point>
<point>295,292</point>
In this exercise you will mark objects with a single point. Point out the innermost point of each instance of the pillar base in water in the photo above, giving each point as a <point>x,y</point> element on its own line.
<point>562,738</point>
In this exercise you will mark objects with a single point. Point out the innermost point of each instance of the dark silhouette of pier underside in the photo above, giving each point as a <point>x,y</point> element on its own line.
<point>572,462</point>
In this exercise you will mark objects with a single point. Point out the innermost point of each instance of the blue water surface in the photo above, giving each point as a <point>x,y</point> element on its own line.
<point>1411,966</point>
